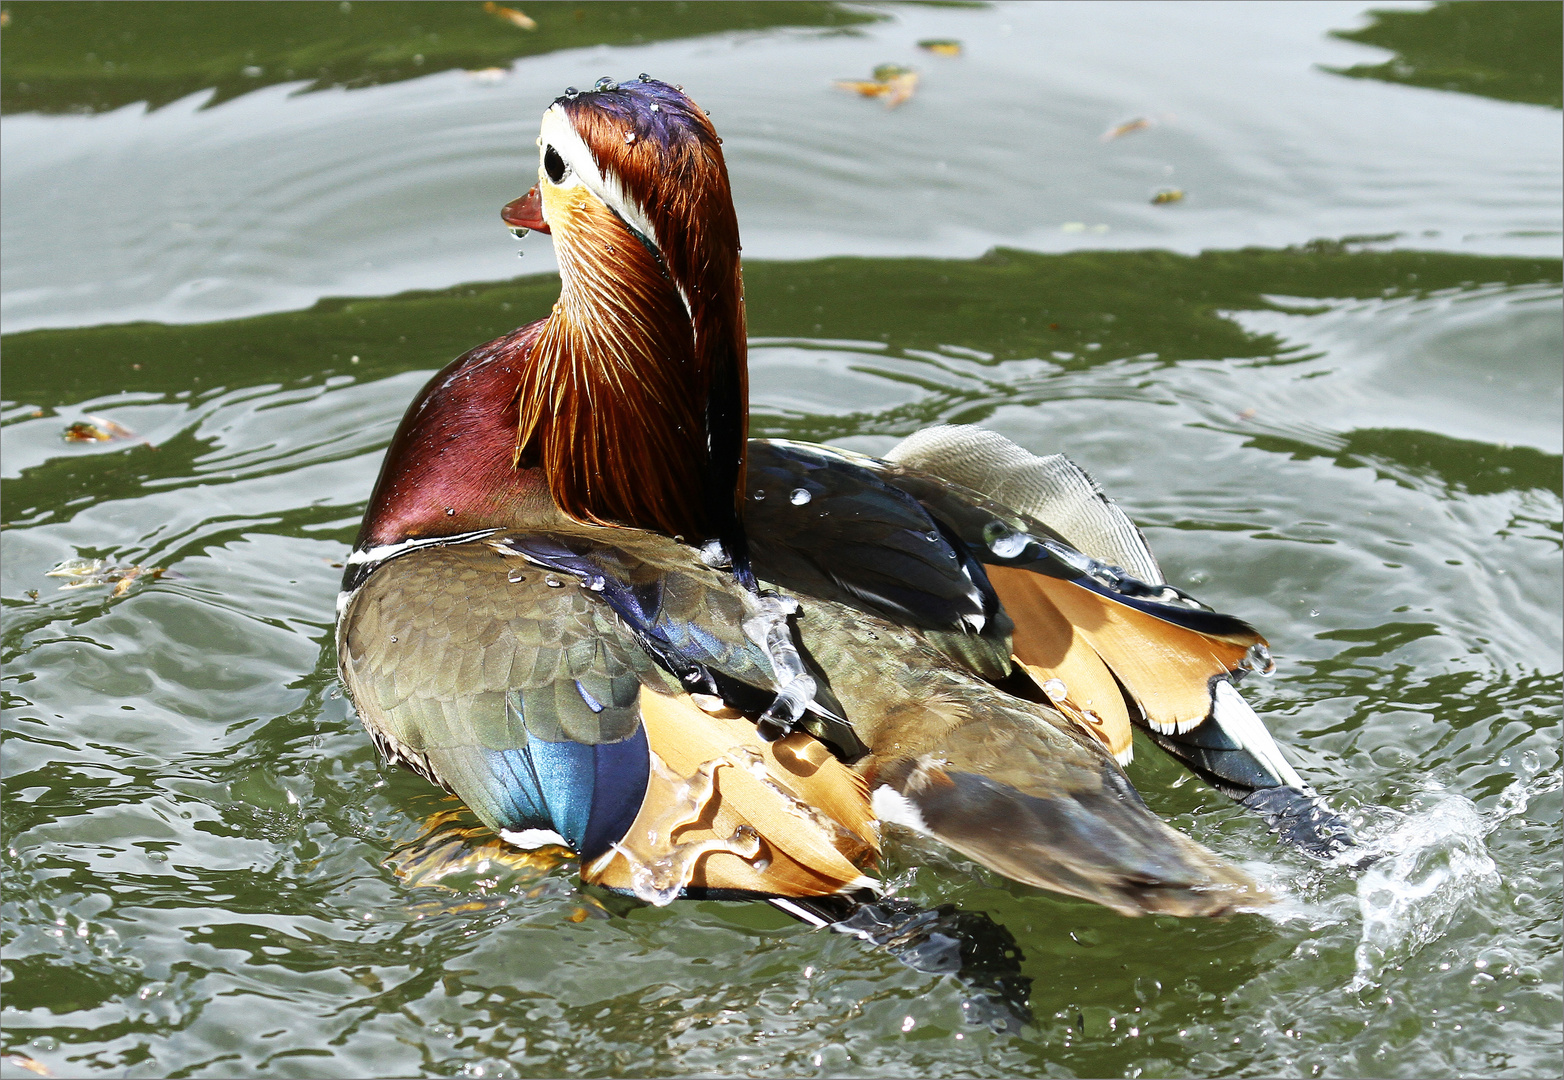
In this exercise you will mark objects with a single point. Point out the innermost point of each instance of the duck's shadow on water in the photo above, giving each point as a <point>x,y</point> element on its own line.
<point>460,866</point>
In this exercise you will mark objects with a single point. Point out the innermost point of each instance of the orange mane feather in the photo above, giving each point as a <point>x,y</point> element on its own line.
<point>635,399</point>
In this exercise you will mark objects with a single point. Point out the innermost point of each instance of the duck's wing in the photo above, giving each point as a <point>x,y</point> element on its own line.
<point>830,526</point>
<point>838,526</point>
<point>525,692</point>
<point>1094,613</point>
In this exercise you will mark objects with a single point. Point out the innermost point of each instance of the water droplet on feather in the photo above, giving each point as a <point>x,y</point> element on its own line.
<point>1009,545</point>
<point>799,497</point>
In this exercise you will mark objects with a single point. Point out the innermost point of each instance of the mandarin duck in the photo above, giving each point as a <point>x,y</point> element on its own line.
<point>586,603</point>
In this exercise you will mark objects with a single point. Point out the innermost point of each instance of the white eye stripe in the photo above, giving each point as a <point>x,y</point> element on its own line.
<point>560,133</point>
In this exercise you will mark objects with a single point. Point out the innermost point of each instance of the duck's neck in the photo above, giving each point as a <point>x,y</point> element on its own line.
<point>619,409</point>
<point>634,400</point>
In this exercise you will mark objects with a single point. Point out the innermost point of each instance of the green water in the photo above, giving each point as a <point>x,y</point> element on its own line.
<point>1327,384</point>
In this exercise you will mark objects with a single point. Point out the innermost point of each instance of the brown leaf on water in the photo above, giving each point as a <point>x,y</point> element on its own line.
<point>88,572</point>
<point>1118,131</point>
<point>941,46</point>
<point>510,15</point>
<point>22,1061</point>
<point>892,82</point>
<point>97,429</point>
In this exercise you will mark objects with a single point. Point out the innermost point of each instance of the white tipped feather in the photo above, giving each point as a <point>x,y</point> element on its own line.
<point>891,805</point>
<point>1234,716</point>
<point>800,913</point>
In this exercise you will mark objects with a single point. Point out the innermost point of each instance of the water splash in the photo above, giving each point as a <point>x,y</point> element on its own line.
<point>1435,862</point>
<point>659,879</point>
<point>766,624</point>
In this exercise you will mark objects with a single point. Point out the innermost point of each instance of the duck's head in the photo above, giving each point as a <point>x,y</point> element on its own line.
<point>637,410</point>
<point>647,155</point>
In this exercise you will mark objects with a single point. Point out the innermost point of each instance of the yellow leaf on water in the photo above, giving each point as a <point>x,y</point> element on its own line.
<point>941,46</point>
<point>891,81</point>
<point>1167,195</point>
<point>862,86</point>
<point>510,15</point>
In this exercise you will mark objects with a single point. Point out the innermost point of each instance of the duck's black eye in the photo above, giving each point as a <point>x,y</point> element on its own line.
<point>554,165</point>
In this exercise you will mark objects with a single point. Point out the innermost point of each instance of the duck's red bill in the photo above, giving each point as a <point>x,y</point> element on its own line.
<point>525,213</point>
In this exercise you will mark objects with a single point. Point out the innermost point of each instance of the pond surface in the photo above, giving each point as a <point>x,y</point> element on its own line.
<point>1326,382</point>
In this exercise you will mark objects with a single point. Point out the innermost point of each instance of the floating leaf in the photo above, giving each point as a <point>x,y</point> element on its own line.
<point>97,429</point>
<point>1167,195</point>
<point>22,1061</point>
<point>866,87</point>
<point>941,46</point>
<point>1118,131</point>
<point>892,82</point>
<point>510,15</point>
<point>88,572</point>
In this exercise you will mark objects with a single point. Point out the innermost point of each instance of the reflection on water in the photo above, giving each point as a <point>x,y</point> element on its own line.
<point>276,198</point>
<point>246,826</point>
<point>90,57</point>
<point>1507,49</point>
<point>206,869</point>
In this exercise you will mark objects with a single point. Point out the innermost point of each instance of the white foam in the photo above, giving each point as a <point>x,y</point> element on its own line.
<point>1434,864</point>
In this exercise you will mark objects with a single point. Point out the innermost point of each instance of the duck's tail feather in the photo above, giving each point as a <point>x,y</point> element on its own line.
<point>1233,752</point>
<point>1099,843</point>
<point>1176,663</point>
<point>978,952</point>
<point>727,813</point>
<point>1021,789</point>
